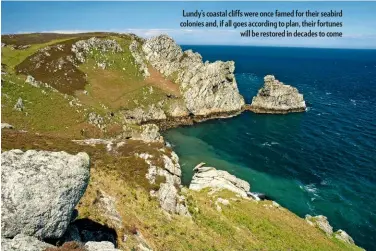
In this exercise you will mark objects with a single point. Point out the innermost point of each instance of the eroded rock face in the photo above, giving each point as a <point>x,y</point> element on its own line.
<point>343,236</point>
<point>40,190</point>
<point>83,47</point>
<point>139,58</point>
<point>139,115</point>
<point>23,243</point>
<point>321,222</point>
<point>276,97</point>
<point>211,177</point>
<point>207,88</point>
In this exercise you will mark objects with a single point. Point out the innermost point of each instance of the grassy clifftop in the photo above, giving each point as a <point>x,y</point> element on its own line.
<point>54,114</point>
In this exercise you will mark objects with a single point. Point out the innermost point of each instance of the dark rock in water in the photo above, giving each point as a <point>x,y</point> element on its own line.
<point>257,196</point>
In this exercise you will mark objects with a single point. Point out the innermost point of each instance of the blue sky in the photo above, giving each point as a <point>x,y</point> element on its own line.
<point>153,18</point>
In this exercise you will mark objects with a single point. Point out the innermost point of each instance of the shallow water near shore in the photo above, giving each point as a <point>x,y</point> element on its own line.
<point>322,161</point>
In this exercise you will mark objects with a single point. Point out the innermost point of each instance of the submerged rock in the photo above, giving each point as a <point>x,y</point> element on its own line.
<point>276,97</point>
<point>211,177</point>
<point>40,190</point>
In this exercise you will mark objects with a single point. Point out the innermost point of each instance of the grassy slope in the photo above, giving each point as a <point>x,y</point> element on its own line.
<point>51,122</point>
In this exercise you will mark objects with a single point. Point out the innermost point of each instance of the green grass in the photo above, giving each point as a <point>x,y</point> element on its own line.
<point>14,57</point>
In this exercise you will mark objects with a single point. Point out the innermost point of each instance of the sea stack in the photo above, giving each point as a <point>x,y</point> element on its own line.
<point>276,97</point>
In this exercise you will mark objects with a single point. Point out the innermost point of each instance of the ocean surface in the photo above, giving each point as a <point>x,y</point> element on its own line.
<point>322,161</point>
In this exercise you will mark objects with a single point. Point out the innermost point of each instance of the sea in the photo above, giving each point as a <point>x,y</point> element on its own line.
<point>322,161</point>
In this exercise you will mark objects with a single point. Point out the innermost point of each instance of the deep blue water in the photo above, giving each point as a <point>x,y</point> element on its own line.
<point>319,162</point>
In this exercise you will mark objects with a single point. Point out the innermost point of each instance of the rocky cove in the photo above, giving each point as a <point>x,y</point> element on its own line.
<point>206,91</point>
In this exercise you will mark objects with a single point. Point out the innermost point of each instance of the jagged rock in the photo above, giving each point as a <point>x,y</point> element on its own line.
<point>100,246</point>
<point>207,88</point>
<point>31,80</point>
<point>163,54</point>
<point>276,97</point>
<point>177,109</point>
<point>148,133</point>
<point>343,236</point>
<point>19,106</point>
<point>23,243</point>
<point>321,222</point>
<point>107,208</point>
<point>210,177</point>
<point>6,126</point>
<point>83,47</point>
<point>211,88</point>
<point>170,200</point>
<point>172,164</point>
<point>139,58</point>
<point>40,190</point>
<point>96,120</point>
<point>139,115</point>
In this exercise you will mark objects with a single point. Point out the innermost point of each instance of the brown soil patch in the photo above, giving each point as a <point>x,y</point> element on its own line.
<point>55,66</point>
<point>41,38</point>
<point>158,80</point>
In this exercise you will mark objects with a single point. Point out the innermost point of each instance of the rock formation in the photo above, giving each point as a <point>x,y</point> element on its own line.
<point>211,177</point>
<point>82,47</point>
<point>139,58</point>
<point>276,97</point>
<point>23,243</point>
<point>6,126</point>
<point>343,236</point>
<point>100,246</point>
<point>322,223</point>
<point>40,190</point>
<point>19,106</point>
<point>207,88</point>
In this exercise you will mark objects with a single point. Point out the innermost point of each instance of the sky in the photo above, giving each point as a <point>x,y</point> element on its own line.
<point>153,18</point>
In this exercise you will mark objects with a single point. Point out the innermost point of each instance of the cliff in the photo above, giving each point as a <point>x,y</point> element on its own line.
<point>101,93</point>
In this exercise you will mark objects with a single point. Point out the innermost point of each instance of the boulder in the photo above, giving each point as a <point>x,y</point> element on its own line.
<point>23,243</point>
<point>210,177</point>
<point>276,97</point>
<point>100,246</point>
<point>343,236</point>
<point>321,222</point>
<point>19,106</point>
<point>40,190</point>
<point>6,126</point>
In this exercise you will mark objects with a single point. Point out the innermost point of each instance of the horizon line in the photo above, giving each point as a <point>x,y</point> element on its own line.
<point>195,44</point>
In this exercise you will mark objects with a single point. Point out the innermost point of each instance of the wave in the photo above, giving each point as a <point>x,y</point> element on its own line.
<point>269,143</point>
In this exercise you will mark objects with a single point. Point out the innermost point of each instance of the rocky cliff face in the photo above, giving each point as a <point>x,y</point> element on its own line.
<point>218,179</point>
<point>207,88</point>
<point>276,97</point>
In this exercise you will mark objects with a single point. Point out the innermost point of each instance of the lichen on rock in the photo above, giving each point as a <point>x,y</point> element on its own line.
<point>40,190</point>
<point>207,88</point>
<point>210,177</point>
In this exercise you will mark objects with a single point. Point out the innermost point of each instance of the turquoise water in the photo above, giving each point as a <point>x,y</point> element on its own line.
<point>319,162</point>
